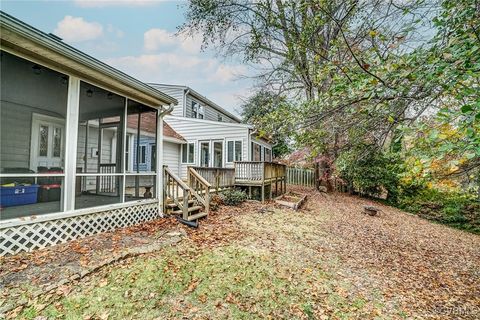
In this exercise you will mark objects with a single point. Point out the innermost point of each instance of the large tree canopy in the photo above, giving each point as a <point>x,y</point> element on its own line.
<point>362,74</point>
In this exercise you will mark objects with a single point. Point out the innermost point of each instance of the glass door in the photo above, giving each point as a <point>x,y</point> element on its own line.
<point>204,153</point>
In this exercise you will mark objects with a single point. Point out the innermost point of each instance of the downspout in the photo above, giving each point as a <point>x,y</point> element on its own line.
<point>249,147</point>
<point>159,159</point>
<point>186,91</point>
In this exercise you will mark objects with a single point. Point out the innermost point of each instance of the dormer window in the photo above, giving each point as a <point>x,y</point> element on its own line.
<point>198,111</point>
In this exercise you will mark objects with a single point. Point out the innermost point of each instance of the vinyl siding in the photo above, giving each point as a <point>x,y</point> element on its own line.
<point>210,112</point>
<point>195,131</point>
<point>175,92</point>
<point>171,156</point>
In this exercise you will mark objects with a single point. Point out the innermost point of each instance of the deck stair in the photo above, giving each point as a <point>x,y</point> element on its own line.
<point>189,200</point>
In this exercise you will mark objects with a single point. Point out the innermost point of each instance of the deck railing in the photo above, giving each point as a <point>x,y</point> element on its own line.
<point>219,178</point>
<point>107,184</point>
<point>258,171</point>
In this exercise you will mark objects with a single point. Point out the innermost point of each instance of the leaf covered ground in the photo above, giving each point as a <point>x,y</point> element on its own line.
<point>326,261</point>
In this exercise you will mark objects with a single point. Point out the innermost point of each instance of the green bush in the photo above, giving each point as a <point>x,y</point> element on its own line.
<point>370,174</point>
<point>459,210</point>
<point>233,197</point>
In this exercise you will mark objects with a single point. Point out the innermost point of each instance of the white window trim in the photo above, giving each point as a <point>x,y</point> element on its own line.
<point>181,153</point>
<point>144,147</point>
<point>226,150</point>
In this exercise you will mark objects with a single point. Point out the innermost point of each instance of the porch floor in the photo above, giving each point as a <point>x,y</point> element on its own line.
<point>81,202</point>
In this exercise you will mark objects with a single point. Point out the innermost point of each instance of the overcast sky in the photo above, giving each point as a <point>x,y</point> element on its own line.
<point>137,37</point>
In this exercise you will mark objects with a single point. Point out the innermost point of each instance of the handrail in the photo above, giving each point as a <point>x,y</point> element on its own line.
<point>199,177</point>
<point>199,186</point>
<point>177,179</point>
<point>172,183</point>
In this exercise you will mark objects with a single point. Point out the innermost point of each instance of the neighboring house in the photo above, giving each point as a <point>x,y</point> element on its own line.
<point>77,142</point>
<point>214,137</point>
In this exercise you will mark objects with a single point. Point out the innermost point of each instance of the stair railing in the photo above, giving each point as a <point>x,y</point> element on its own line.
<point>199,188</point>
<point>175,189</point>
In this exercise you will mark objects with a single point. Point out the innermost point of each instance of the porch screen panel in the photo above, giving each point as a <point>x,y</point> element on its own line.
<point>140,151</point>
<point>33,107</point>
<point>100,141</point>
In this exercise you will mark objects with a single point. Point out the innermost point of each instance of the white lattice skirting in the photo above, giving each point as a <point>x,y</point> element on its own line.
<point>37,235</point>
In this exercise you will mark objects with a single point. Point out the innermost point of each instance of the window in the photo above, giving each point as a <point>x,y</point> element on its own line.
<point>234,150</point>
<point>142,154</point>
<point>256,152</point>
<point>220,118</point>
<point>268,155</point>
<point>198,111</point>
<point>194,109</point>
<point>188,152</point>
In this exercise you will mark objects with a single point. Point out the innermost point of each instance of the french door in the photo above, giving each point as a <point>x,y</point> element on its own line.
<point>204,153</point>
<point>211,153</point>
<point>48,135</point>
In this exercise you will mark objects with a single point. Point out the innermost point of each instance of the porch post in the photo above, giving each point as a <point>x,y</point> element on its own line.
<point>71,137</point>
<point>159,164</point>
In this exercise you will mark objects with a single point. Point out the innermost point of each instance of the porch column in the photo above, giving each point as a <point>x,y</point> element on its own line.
<point>159,163</point>
<point>71,137</point>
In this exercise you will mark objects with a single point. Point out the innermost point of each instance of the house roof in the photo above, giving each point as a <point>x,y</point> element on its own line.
<point>201,98</point>
<point>169,132</point>
<point>20,38</point>
<point>148,123</point>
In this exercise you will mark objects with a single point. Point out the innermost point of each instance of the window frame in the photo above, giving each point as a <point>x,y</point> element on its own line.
<point>234,143</point>
<point>187,156</point>
<point>142,153</point>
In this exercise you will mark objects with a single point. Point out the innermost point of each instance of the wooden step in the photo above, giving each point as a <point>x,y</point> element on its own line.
<point>197,216</point>
<point>173,205</point>
<point>190,209</point>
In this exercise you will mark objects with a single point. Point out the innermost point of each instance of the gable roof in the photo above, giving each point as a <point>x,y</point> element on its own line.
<point>169,132</point>
<point>200,97</point>
<point>20,38</point>
<point>148,123</point>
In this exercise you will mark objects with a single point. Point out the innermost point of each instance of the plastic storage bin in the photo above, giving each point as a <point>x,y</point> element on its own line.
<point>18,195</point>
<point>49,192</point>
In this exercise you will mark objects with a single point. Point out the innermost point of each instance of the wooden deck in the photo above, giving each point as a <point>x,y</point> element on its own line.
<point>268,176</point>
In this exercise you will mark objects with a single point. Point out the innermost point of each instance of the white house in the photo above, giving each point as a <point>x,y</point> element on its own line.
<point>67,126</point>
<point>214,137</point>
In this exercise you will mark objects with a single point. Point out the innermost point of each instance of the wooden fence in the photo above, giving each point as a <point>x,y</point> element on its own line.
<point>301,176</point>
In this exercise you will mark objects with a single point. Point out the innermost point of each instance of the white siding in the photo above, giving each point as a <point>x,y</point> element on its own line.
<point>198,130</point>
<point>175,92</point>
<point>171,156</point>
<point>210,112</point>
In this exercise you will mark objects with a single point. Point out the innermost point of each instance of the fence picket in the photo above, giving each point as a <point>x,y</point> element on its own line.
<point>300,176</point>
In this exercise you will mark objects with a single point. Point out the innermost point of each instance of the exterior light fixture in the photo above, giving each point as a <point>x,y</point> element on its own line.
<point>89,93</point>
<point>37,69</point>
<point>109,96</point>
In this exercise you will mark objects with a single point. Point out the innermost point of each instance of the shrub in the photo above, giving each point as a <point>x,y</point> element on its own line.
<point>215,202</point>
<point>456,209</point>
<point>233,197</point>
